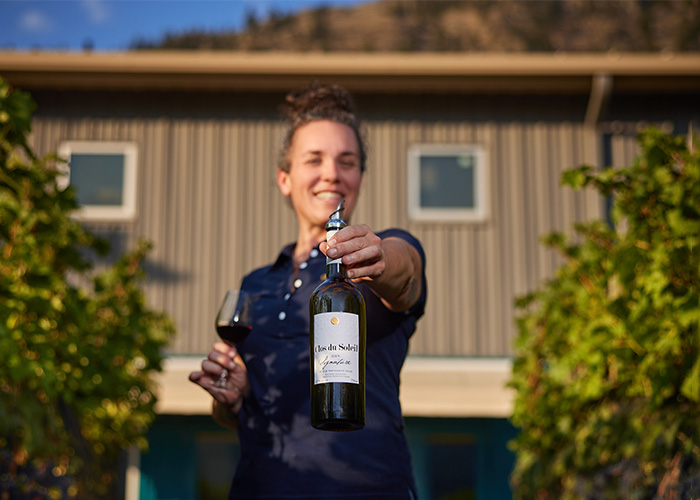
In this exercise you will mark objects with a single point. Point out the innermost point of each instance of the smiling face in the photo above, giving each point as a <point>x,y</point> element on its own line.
<point>324,158</point>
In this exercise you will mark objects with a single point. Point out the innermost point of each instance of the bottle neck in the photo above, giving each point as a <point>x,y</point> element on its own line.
<point>336,270</point>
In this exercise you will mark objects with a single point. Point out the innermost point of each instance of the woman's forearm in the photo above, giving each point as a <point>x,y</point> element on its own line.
<point>399,286</point>
<point>225,415</point>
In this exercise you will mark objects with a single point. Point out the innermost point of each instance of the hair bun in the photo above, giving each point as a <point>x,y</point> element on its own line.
<point>318,101</point>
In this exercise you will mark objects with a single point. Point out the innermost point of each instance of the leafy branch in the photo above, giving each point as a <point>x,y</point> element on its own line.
<point>607,368</point>
<point>76,384</point>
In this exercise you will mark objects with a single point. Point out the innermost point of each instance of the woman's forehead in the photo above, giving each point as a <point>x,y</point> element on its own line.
<point>326,135</point>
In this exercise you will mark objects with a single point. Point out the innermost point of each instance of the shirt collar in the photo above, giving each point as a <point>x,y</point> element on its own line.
<point>286,256</point>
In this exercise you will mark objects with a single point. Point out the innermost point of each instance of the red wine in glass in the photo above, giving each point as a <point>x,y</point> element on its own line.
<point>233,333</point>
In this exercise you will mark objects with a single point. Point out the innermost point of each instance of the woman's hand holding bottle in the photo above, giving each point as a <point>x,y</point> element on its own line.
<point>360,249</point>
<point>391,267</point>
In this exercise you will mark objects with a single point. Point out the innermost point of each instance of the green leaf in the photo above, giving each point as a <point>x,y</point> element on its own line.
<point>576,178</point>
<point>681,225</point>
<point>691,384</point>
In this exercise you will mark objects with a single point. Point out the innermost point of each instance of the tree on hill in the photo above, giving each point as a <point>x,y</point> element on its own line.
<point>607,365</point>
<point>461,26</point>
<point>76,384</point>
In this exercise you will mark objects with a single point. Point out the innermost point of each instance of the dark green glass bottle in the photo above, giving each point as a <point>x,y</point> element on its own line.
<point>337,346</point>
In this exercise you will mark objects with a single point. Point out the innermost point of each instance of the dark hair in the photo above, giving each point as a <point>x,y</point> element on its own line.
<point>320,101</point>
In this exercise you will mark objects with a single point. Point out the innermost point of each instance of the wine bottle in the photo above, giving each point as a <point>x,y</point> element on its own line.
<point>337,345</point>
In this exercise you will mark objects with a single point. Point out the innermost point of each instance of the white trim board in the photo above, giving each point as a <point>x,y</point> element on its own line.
<point>430,387</point>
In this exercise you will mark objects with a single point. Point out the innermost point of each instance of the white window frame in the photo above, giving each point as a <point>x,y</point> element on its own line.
<point>127,210</point>
<point>478,213</point>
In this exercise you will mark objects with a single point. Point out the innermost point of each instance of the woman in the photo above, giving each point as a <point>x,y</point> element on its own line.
<point>268,397</point>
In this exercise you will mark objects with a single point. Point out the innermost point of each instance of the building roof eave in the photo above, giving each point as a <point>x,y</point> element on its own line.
<point>360,72</point>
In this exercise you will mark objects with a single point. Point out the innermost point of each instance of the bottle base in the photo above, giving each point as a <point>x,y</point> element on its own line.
<point>338,425</point>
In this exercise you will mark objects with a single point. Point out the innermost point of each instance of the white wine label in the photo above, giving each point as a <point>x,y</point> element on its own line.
<point>329,235</point>
<point>336,348</point>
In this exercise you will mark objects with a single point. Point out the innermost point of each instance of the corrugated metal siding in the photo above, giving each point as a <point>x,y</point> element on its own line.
<point>208,200</point>
<point>475,270</point>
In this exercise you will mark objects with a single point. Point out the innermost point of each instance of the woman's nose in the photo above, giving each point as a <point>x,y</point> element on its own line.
<point>330,170</point>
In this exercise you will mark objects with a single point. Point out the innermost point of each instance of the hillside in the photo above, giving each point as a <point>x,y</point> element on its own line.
<point>463,26</point>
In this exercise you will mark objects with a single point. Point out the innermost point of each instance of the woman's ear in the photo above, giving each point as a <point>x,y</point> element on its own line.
<point>283,182</point>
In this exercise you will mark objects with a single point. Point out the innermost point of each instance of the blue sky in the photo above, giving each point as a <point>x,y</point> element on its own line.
<point>114,24</point>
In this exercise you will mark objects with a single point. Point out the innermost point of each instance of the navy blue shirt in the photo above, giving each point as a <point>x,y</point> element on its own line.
<point>282,456</point>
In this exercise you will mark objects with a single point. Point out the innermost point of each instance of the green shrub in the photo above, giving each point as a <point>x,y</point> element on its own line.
<point>607,365</point>
<point>77,361</point>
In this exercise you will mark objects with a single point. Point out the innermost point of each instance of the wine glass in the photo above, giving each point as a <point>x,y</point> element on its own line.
<point>234,322</point>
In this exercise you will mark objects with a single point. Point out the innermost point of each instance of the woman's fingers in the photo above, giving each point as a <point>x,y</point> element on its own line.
<point>215,368</point>
<point>235,388</point>
<point>360,250</point>
<point>222,354</point>
<point>371,272</point>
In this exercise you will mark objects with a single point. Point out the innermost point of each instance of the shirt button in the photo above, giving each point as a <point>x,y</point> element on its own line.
<point>314,253</point>
<point>298,283</point>
<point>303,265</point>
<point>282,315</point>
<point>287,296</point>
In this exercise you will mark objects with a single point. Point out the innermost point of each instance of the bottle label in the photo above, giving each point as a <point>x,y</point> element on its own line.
<point>336,348</point>
<point>329,235</point>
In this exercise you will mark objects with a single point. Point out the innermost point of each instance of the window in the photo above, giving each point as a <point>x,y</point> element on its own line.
<point>447,182</point>
<point>104,176</point>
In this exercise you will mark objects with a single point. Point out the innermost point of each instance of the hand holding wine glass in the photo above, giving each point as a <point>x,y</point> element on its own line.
<point>234,322</point>
<point>223,373</point>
